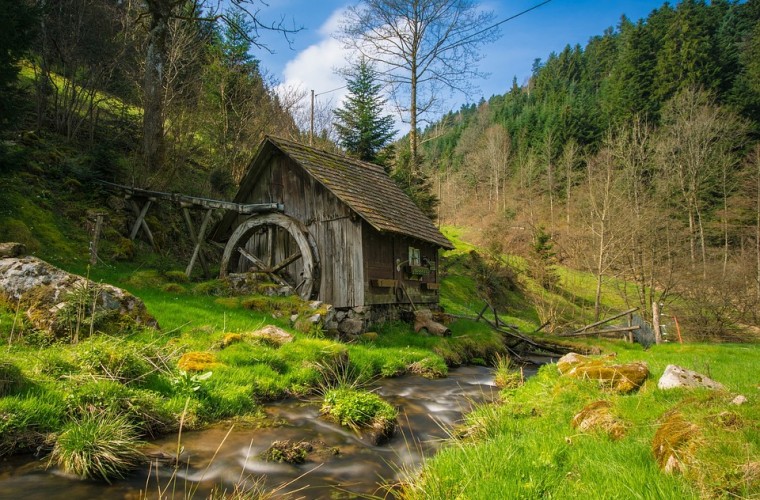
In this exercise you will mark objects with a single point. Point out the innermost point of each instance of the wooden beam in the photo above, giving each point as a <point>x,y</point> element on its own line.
<point>383,283</point>
<point>198,240</point>
<point>261,265</point>
<point>285,263</point>
<point>603,321</point>
<point>140,220</point>
<point>590,333</point>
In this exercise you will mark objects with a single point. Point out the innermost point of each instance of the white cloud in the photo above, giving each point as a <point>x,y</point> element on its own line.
<point>314,67</point>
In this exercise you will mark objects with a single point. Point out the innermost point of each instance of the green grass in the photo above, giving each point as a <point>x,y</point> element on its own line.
<point>525,447</point>
<point>97,446</point>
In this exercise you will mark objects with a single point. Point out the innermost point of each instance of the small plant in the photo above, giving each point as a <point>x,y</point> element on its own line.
<point>506,375</point>
<point>187,383</point>
<point>99,446</point>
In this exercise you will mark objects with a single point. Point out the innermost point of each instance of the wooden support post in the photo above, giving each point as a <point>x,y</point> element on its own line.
<point>656,322</point>
<point>198,240</point>
<point>630,323</point>
<point>482,312</point>
<point>140,221</point>
<point>96,238</point>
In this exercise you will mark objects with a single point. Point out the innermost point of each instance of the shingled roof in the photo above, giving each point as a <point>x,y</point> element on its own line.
<point>364,187</point>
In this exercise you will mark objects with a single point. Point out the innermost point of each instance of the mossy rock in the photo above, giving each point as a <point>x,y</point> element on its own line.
<point>298,452</point>
<point>597,416</point>
<point>622,378</point>
<point>229,339</point>
<point>196,361</point>
<point>675,442</point>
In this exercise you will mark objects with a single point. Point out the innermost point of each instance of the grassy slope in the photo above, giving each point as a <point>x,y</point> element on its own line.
<point>525,447</point>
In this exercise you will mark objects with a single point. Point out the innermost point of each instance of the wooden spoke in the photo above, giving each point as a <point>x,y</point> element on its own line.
<point>255,260</point>
<point>285,263</point>
<point>262,239</point>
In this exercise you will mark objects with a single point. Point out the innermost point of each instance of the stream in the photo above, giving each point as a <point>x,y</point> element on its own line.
<point>427,408</point>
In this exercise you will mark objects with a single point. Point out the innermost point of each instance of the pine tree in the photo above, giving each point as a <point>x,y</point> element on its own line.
<point>361,126</point>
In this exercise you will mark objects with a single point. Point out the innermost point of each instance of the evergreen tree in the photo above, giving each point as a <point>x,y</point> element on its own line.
<point>361,126</point>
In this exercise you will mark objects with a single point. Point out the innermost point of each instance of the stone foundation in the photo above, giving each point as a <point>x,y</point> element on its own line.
<point>349,322</point>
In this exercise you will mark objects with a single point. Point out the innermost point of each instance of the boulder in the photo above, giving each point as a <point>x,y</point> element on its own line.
<point>676,376</point>
<point>351,327</point>
<point>273,335</point>
<point>51,297</point>
<point>622,378</point>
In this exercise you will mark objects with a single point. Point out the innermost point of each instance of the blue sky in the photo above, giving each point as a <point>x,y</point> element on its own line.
<point>310,62</point>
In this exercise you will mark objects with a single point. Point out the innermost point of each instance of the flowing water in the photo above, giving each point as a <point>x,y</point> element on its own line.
<point>427,409</point>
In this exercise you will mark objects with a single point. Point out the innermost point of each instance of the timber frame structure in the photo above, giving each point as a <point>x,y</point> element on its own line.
<point>140,201</point>
<point>347,234</point>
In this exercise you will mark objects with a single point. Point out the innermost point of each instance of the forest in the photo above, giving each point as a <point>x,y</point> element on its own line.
<point>634,157</point>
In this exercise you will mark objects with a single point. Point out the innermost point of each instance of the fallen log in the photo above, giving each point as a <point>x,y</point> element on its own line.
<point>591,333</point>
<point>601,322</point>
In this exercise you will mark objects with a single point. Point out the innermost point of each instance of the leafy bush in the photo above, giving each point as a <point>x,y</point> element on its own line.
<point>98,446</point>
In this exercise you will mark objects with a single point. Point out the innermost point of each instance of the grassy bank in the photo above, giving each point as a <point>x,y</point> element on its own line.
<point>525,446</point>
<point>50,385</point>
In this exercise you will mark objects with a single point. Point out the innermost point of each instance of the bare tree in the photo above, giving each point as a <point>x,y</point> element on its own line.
<point>697,138</point>
<point>421,47</point>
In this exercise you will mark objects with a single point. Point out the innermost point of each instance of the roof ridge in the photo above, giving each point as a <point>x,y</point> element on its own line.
<point>337,156</point>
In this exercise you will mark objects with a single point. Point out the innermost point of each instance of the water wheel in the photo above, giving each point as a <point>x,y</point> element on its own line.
<point>278,246</point>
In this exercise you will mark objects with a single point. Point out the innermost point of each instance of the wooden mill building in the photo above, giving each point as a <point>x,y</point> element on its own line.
<point>344,233</point>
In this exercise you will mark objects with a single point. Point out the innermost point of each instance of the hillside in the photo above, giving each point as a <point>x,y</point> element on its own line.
<point>635,158</point>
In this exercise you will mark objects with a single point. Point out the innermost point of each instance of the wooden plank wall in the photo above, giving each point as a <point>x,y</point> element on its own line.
<point>333,225</point>
<point>382,253</point>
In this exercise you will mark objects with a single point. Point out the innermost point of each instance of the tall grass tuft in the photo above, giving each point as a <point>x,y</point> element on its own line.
<point>98,446</point>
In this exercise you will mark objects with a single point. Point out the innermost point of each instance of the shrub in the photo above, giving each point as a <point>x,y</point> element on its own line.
<point>358,409</point>
<point>98,446</point>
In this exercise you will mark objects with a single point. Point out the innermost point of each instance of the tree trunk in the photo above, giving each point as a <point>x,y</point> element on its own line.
<point>154,150</point>
<point>413,123</point>
<point>656,322</point>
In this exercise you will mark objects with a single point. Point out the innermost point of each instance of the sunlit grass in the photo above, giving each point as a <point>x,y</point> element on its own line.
<point>525,447</point>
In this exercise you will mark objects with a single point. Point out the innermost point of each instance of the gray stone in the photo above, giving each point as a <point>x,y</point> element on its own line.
<point>293,318</point>
<point>351,326</point>
<point>676,376</point>
<point>315,304</point>
<point>739,400</point>
<point>272,335</point>
<point>340,316</point>
<point>315,319</point>
<point>45,292</point>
